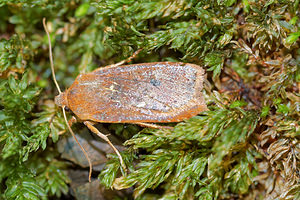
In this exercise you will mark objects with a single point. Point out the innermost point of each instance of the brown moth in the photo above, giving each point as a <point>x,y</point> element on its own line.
<point>138,93</point>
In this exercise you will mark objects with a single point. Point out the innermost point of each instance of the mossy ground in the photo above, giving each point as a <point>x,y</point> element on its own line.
<point>245,147</point>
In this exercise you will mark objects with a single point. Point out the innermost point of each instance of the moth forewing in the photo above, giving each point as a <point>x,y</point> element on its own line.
<point>148,92</point>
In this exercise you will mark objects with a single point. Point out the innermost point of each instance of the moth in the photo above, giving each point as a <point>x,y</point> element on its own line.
<point>142,94</point>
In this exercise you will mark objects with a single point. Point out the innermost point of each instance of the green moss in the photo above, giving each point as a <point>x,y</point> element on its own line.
<point>245,146</point>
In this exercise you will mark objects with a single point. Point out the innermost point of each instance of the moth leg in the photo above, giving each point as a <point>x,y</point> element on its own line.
<point>153,126</point>
<point>104,137</point>
<point>72,121</point>
<point>127,60</point>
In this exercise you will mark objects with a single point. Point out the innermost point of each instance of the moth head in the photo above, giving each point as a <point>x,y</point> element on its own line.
<point>61,100</point>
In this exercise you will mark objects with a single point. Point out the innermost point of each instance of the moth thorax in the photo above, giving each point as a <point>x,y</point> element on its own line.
<point>61,100</point>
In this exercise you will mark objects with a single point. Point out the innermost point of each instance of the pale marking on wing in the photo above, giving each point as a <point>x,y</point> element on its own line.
<point>143,104</point>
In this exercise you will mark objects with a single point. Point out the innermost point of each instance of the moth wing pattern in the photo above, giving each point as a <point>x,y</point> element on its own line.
<point>147,92</point>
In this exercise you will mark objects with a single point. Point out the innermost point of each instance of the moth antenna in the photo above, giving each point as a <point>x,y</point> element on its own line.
<point>63,107</point>
<point>50,56</point>
<point>81,147</point>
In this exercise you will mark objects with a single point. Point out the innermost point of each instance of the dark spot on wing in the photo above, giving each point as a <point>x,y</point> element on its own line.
<point>73,91</point>
<point>155,82</point>
<point>113,97</point>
